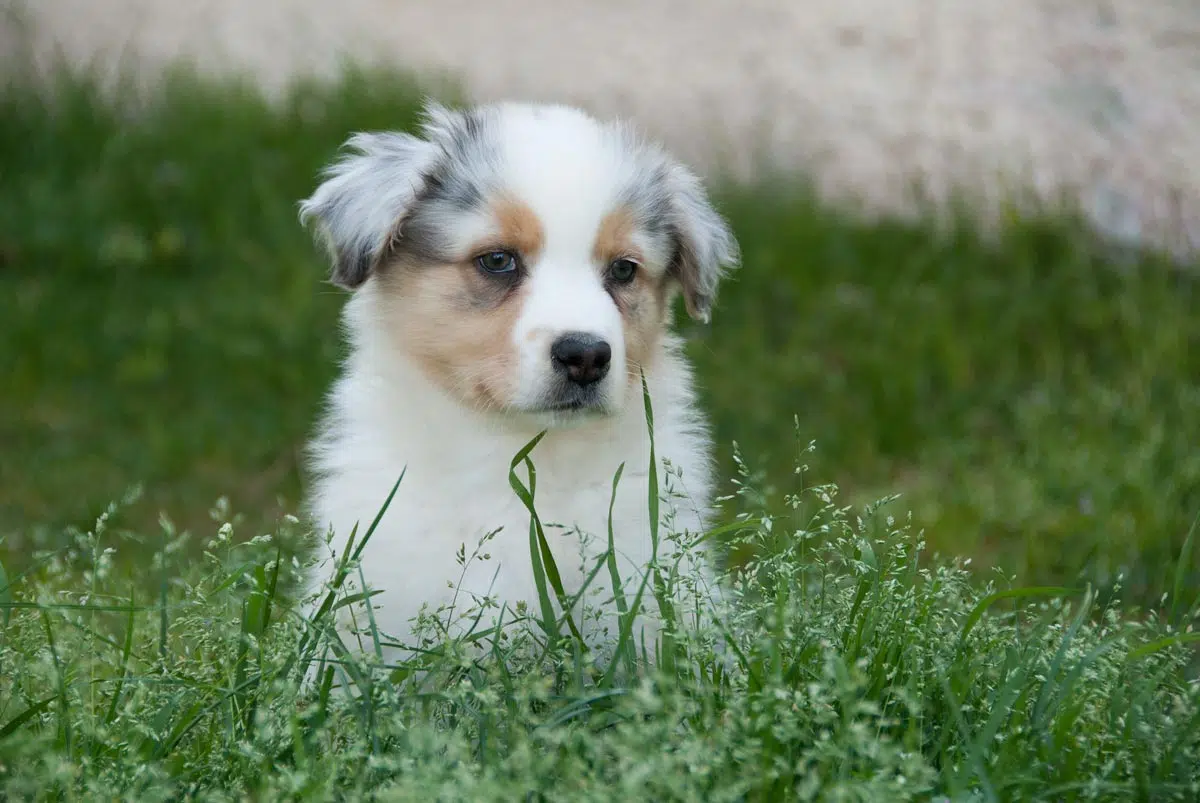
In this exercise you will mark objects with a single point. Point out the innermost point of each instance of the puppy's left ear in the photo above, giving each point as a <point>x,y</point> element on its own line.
<point>705,248</point>
<point>364,198</point>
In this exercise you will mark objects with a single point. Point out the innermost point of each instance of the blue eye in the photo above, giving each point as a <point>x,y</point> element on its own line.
<point>622,270</point>
<point>497,262</point>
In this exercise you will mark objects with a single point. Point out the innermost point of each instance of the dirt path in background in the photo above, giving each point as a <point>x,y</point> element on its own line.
<point>1101,95</point>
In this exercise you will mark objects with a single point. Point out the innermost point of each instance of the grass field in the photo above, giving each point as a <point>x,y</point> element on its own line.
<point>846,669</point>
<point>1033,398</point>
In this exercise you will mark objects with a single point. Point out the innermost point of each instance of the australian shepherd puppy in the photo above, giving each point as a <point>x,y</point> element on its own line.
<point>512,270</point>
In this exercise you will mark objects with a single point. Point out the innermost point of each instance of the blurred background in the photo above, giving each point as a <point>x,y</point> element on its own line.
<point>969,234</point>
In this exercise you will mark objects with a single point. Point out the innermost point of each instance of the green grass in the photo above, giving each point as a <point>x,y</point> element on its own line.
<point>846,670</point>
<point>164,315</point>
<point>1034,398</point>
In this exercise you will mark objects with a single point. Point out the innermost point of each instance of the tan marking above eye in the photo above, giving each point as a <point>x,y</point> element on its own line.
<point>614,238</point>
<point>518,229</point>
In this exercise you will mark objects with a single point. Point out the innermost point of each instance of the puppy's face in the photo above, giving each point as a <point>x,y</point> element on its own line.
<point>524,256</point>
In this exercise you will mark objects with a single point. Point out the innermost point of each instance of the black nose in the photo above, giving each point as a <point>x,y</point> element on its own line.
<point>583,358</point>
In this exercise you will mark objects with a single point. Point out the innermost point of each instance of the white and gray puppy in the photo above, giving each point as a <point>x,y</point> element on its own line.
<point>513,268</point>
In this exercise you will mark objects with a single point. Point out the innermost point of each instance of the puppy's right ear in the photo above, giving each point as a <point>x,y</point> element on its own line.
<point>365,196</point>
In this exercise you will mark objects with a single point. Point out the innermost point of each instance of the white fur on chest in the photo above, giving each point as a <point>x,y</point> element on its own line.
<point>385,419</point>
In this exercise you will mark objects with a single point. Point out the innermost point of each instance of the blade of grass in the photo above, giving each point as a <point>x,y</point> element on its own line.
<point>652,470</point>
<point>1163,643</point>
<point>545,568</point>
<point>76,606</point>
<point>1182,567</point>
<point>126,650</point>
<point>362,578</point>
<point>611,558</point>
<point>163,619</point>
<point>29,713</point>
<point>661,589</point>
<point>627,621</point>
<point>64,713</point>
<point>549,621</point>
<point>973,752</point>
<point>578,597</point>
<point>312,633</point>
<point>581,707</point>
<point>1012,593</point>
<point>1048,689</point>
<point>5,595</point>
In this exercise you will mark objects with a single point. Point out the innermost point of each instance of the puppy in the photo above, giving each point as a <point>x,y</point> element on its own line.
<point>512,268</point>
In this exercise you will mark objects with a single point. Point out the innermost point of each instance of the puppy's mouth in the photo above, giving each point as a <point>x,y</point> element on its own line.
<point>567,406</point>
<point>573,401</point>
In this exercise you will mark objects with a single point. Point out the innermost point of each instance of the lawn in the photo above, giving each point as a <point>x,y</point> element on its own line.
<point>1033,396</point>
<point>845,668</point>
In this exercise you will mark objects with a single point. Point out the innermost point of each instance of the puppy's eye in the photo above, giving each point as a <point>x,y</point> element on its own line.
<point>622,270</point>
<point>497,262</point>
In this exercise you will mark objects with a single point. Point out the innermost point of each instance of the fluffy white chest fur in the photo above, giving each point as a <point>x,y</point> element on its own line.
<point>513,270</point>
<point>386,419</point>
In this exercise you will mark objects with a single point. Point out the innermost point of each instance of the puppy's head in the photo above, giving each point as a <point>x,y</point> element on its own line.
<point>524,256</point>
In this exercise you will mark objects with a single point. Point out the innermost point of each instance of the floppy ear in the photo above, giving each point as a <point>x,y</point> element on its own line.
<point>365,196</point>
<point>705,248</point>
